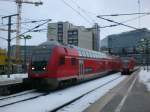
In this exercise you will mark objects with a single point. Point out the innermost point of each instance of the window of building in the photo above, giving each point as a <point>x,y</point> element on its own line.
<point>69,33</point>
<point>73,37</point>
<point>60,25</point>
<point>60,32</point>
<point>75,32</point>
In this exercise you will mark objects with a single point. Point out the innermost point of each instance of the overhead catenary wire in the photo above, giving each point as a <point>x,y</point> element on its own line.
<point>129,20</point>
<point>127,14</point>
<point>83,10</point>
<point>3,38</point>
<point>119,23</point>
<point>8,0</point>
<point>27,27</point>
<point>139,10</point>
<point>32,28</point>
<point>36,30</point>
<point>25,22</point>
<point>67,4</point>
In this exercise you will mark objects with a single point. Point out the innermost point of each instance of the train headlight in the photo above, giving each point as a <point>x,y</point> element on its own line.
<point>44,68</point>
<point>33,68</point>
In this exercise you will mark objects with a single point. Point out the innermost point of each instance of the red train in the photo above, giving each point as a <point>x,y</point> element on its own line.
<point>53,64</point>
<point>128,65</point>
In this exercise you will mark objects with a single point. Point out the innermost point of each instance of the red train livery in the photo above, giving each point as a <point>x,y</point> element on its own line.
<point>53,64</point>
<point>128,65</point>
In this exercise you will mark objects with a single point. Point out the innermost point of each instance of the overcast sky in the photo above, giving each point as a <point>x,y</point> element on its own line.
<point>57,10</point>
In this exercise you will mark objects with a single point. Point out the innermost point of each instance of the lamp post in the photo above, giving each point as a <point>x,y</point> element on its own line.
<point>144,44</point>
<point>25,50</point>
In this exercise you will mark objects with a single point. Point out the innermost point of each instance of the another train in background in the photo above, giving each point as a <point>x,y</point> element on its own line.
<point>53,64</point>
<point>128,65</point>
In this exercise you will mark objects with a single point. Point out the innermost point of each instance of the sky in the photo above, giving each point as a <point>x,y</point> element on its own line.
<point>57,10</point>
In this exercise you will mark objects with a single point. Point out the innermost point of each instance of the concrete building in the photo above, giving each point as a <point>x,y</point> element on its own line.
<point>126,43</point>
<point>67,33</point>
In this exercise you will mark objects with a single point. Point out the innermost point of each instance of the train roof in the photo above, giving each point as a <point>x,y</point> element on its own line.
<point>50,43</point>
<point>90,53</point>
<point>82,51</point>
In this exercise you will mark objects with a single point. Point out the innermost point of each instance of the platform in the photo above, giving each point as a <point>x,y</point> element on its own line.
<point>13,79</point>
<point>129,96</point>
<point>12,84</point>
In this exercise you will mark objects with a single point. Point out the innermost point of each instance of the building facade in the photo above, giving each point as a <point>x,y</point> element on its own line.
<point>28,52</point>
<point>67,33</point>
<point>127,43</point>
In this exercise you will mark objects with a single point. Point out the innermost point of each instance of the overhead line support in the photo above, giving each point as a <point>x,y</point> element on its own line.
<point>9,40</point>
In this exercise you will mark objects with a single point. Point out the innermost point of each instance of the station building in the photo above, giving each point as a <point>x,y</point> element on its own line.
<point>127,43</point>
<point>67,33</point>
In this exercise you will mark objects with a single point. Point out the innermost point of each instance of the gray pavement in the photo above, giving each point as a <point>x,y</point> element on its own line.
<point>138,100</point>
<point>128,96</point>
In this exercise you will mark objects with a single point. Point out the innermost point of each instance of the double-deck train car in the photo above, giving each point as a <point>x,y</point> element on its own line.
<point>128,65</point>
<point>53,64</point>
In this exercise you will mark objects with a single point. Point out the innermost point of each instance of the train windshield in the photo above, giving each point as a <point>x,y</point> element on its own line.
<point>125,61</point>
<point>40,58</point>
<point>41,54</point>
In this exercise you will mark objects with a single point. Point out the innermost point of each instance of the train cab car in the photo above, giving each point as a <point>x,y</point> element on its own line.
<point>52,63</point>
<point>128,65</point>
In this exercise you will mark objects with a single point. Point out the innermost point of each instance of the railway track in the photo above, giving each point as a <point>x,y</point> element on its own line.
<point>81,96</point>
<point>20,97</point>
<point>55,101</point>
<point>17,94</point>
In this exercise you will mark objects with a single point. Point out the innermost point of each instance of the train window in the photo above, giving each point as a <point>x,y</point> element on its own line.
<point>99,55</point>
<point>80,52</point>
<point>86,54</point>
<point>91,54</point>
<point>73,61</point>
<point>96,55</point>
<point>62,61</point>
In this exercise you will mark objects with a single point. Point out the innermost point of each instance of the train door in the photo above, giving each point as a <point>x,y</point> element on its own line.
<point>81,69</point>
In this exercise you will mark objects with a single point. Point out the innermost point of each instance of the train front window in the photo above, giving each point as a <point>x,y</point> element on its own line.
<point>40,58</point>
